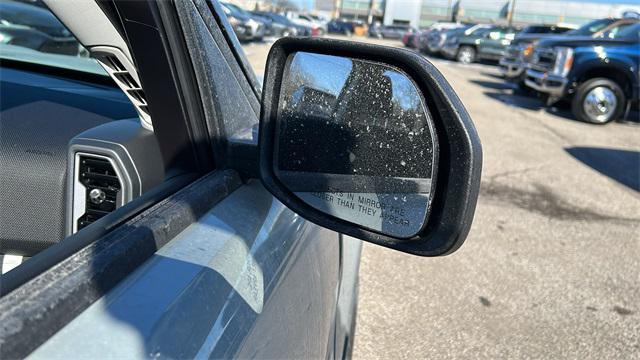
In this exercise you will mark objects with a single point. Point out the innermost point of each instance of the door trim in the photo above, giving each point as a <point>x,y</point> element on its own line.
<point>38,309</point>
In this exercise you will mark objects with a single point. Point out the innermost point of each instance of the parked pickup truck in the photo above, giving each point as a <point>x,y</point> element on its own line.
<point>521,48</point>
<point>599,76</point>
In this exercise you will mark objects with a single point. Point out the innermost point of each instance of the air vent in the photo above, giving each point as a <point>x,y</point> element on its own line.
<point>125,76</point>
<point>102,188</point>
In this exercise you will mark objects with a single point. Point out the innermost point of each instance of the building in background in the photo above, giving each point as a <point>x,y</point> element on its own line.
<point>327,7</point>
<point>402,12</point>
<point>523,12</point>
<point>271,5</point>
<point>366,10</point>
<point>420,13</point>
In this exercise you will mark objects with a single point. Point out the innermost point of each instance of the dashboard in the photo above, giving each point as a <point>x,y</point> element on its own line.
<point>71,151</point>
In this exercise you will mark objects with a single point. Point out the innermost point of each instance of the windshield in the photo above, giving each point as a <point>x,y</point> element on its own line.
<point>32,34</point>
<point>629,32</point>
<point>591,27</point>
<point>475,29</point>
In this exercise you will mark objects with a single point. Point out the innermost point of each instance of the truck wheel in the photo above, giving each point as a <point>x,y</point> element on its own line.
<point>466,54</point>
<point>598,101</point>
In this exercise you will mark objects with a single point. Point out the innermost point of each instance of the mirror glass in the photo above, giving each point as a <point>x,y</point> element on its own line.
<point>355,140</point>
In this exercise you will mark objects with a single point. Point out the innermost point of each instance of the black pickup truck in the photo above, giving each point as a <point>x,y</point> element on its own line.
<point>598,75</point>
<point>512,64</point>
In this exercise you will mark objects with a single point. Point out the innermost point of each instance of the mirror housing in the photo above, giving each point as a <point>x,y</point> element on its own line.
<point>452,194</point>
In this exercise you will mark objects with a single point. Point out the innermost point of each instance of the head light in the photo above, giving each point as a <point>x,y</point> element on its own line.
<point>564,60</point>
<point>527,50</point>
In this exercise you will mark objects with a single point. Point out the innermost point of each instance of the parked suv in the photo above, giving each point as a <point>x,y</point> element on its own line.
<point>600,76</point>
<point>519,52</point>
<point>436,39</point>
<point>482,44</point>
<point>288,26</point>
<point>244,25</point>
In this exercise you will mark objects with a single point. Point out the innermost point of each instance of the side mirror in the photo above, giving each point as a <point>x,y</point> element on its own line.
<point>371,142</point>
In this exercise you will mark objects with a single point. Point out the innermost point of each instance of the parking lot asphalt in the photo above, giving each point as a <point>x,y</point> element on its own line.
<point>551,267</point>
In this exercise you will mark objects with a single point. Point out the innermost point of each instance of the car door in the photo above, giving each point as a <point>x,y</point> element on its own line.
<point>493,44</point>
<point>231,273</point>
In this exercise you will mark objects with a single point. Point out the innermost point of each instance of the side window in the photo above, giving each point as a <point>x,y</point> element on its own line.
<point>30,32</point>
<point>257,30</point>
<point>63,124</point>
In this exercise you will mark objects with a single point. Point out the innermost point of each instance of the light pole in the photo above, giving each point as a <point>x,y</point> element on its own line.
<point>512,10</point>
<point>370,14</point>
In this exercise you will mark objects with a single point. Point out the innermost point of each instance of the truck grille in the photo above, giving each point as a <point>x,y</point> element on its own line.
<point>512,53</point>
<point>543,59</point>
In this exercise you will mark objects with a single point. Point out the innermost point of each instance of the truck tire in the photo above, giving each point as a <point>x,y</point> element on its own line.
<point>598,101</point>
<point>466,54</point>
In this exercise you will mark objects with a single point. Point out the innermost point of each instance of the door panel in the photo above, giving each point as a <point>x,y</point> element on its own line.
<point>494,48</point>
<point>249,279</point>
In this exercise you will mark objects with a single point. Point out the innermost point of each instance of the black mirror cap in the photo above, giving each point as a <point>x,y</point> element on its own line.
<point>460,160</point>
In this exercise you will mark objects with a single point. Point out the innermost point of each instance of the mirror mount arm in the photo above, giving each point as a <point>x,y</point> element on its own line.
<point>243,156</point>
